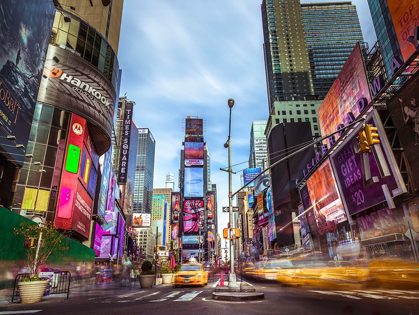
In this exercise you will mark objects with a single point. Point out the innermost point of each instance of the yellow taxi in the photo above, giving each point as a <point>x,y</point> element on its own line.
<point>394,274</point>
<point>191,274</point>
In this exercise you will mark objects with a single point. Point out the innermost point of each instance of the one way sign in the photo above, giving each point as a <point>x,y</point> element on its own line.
<point>226,209</point>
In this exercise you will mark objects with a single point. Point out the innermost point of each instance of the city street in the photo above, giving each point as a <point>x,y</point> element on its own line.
<point>197,300</point>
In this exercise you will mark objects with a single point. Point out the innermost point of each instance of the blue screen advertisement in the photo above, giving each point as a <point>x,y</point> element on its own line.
<point>250,173</point>
<point>194,182</point>
<point>103,195</point>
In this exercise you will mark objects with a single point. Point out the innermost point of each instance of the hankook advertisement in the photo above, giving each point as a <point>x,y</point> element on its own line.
<point>73,84</point>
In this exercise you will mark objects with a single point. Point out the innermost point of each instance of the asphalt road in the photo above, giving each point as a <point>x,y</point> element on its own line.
<point>196,300</point>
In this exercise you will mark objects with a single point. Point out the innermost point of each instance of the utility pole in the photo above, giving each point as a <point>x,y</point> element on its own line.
<point>155,253</point>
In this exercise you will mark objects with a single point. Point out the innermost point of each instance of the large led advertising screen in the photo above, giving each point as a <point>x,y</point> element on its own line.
<point>175,207</point>
<point>261,183</point>
<point>304,229</point>
<point>357,192</point>
<point>250,173</point>
<point>194,127</point>
<point>194,182</point>
<point>350,85</point>
<point>324,196</point>
<point>25,28</point>
<point>193,215</point>
<point>194,153</point>
<point>74,84</point>
<point>405,16</point>
<point>210,205</point>
<point>141,220</point>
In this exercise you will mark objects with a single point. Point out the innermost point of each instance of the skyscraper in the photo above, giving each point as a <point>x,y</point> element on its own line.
<point>384,29</point>
<point>331,31</point>
<point>258,149</point>
<point>144,173</point>
<point>170,181</point>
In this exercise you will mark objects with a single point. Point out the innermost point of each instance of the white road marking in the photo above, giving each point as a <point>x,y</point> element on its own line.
<point>336,293</point>
<point>130,294</point>
<point>231,302</point>
<point>159,300</point>
<point>188,296</point>
<point>20,312</point>
<point>215,284</point>
<point>173,294</point>
<point>398,294</point>
<point>140,298</point>
<point>125,301</point>
<point>373,296</point>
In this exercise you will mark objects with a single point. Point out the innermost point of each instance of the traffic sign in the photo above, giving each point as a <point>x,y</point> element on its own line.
<point>226,209</point>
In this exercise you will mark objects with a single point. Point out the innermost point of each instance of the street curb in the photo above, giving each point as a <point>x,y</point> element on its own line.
<point>228,289</point>
<point>244,296</point>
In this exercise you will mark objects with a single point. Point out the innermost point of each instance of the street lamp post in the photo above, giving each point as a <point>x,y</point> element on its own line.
<point>232,275</point>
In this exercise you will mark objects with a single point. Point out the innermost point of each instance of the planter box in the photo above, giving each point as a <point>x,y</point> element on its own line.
<point>33,291</point>
<point>167,278</point>
<point>146,281</point>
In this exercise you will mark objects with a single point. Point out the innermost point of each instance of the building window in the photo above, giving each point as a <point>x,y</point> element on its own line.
<point>306,112</point>
<point>298,112</point>
<point>285,120</point>
<point>290,112</point>
<point>316,127</point>
<point>277,121</point>
<point>314,119</point>
<point>307,119</point>
<point>284,112</point>
<point>299,120</point>
<point>292,119</point>
<point>313,112</point>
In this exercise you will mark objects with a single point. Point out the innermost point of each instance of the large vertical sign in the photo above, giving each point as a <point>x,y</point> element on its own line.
<point>340,104</point>
<point>405,16</point>
<point>125,141</point>
<point>210,206</point>
<point>305,236</point>
<point>74,209</point>
<point>175,207</point>
<point>164,223</point>
<point>25,29</point>
<point>104,184</point>
<point>359,192</point>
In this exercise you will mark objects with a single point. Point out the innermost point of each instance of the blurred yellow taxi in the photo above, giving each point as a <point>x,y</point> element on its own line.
<point>394,274</point>
<point>191,274</point>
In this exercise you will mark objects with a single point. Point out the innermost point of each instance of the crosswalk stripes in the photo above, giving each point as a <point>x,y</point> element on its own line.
<point>373,294</point>
<point>188,296</point>
<point>172,294</point>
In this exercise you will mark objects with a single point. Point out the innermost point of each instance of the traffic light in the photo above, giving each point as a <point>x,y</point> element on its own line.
<point>372,135</point>
<point>235,233</point>
<point>363,142</point>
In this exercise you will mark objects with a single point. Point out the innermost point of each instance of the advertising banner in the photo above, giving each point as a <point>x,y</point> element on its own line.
<point>98,239</point>
<point>121,234</point>
<point>189,253</point>
<point>405,16</point>
<point>74,84</point>
<point>175,207</point>
<point>164,223</point>
<point>250,200</point>
<point>305,236</point>
<point>194,127</point>
<point>311,219</point>
<point>261,183</point>
<point>261,207</point>
<point>250,173</point>
<point>357,192</point>
<point>350,85</point>
<point>210,205</point>
<point>194,182</point>
<point>175,231</point>
<point>327,205</point>
<point>125,142</point>
<point>404,111</point>
<point>82,212</point>
<point>104,184</point>
<point>193,215</point>
<point>194,153</point>
<point>25,29</point>
<point>105,246</point>
<point>192,239</point>
<point>141,220</point>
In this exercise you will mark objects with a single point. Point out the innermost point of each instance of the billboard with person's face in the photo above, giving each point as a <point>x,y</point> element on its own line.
<point>25,31</point>
<point>193,215</point>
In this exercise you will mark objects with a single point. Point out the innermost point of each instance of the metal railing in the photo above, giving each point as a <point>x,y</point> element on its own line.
<point>59,283</point>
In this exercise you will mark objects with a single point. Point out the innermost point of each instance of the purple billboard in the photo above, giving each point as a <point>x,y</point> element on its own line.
<point>358,190</point>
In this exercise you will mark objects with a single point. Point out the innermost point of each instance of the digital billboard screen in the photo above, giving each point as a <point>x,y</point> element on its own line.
<point>25,29</point>
<point>192,239</point>
<point>194,182</point>
<point>175,207</point>
<point>357,192</point>
<point>193,215</point>
<point>304,229</point>
<point>324,196</point>
<point>350,85</point>
<point>141,220</point>
<point>261,208</point>
<point>210,205</point>
<point>250,173</point>
<point>194,153</point>
<point>175,231</point>
<point>261,183</point>
<point>194,127</point>
<point>405,16</point>
<point>121,234</point>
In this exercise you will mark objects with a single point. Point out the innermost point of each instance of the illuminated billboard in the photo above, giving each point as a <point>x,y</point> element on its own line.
<point>261,208</point>
<point>405,16</point>
<point>350,86</point>
<point>194,182</point>
<point>261,183</point>
<point>210,205</point>
<point>192,239</point>
<point>24,41</point>
<point>175,207</point>
<point>358,192</point>
<point>249,174</point>
<point>324,196</point>
<point>141,220</point>
<point>74,84</point>
<point>193,215</point>
<point>194,153</point>
<point>305,236</point>
<point>125,143</point>
<point>175,231</point>
<point>194,127</point>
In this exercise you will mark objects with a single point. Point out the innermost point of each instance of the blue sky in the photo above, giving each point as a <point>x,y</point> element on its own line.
<point>187,58</point>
